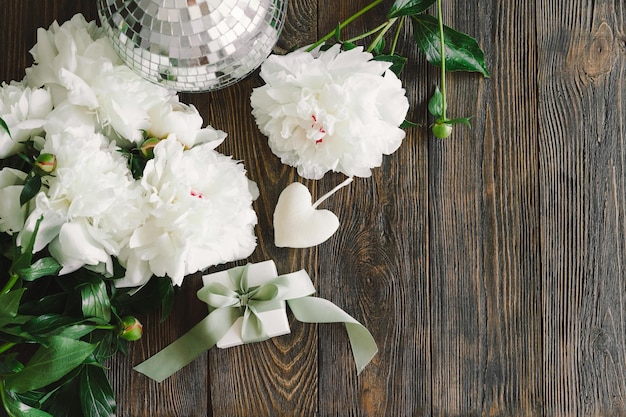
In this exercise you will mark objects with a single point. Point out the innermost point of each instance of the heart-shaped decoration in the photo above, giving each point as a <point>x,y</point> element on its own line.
<point>298,223</point>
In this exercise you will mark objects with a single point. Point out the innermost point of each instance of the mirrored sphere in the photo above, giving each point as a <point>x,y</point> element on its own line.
<point>193,45</point>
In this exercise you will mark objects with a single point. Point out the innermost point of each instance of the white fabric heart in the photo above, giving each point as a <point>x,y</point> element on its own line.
<point>298,223</point>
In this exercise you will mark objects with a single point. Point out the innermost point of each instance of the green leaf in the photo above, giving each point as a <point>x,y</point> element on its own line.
<point>159,290</point>
<point>9,304</point>
<point>435,104</point>
<point>41,268</point>
<point>407,124</point>
<point>346,46</point>
<point>24,258</point>
<point>462,51</point>
<point>46,324</point>
<point>49,364</point>
<point>96,395</point>
<point>379,47</point>
<point>64,401</point>
<point>31,188</point>
<point>10,365</point>
<point>397,62</point>
<point>166,291</point>
<point>96,302</point>
<point>76,331</point>
<point>460,120</point>
<point>409,7</point>
<point>4,126</point>
<point>54,303</point>
<point>17,408</point>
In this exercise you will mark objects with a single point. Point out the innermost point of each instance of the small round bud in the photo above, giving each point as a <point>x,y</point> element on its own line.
<point>45,164</point>
<point>442,130</point>
<point>147,147</point>
<point>130,329</point>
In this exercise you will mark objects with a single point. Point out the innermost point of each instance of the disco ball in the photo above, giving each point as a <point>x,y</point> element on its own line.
<point>193,45</point>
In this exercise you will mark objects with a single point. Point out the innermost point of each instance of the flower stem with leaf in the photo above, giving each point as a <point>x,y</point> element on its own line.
<point>437,106</point>
<point>443,46</point>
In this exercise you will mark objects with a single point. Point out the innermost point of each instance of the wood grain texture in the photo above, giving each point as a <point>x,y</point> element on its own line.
<point>377,262</point>
<point>484,263</point>
<point>489,267</point>
<point>582,166</point>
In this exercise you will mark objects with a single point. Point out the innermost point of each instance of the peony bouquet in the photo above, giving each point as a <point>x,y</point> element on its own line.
<point>111,190</point>
<point>107,184</point>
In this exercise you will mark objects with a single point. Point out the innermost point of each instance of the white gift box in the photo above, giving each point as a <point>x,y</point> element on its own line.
<point>275,322</point>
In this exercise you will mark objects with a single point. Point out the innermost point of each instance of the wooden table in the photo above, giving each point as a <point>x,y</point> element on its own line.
<point>490,267</point>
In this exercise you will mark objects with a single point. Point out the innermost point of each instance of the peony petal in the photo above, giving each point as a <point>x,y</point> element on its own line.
<point>75,247</point>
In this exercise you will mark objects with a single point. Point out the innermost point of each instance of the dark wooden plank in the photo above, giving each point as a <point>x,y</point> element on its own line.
<point>581,49</point>
<point>483,215</point>
<point>376,266</point>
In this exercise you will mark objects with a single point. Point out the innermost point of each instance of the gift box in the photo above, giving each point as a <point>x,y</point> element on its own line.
<point>248,304</point>
<point>273,315</point>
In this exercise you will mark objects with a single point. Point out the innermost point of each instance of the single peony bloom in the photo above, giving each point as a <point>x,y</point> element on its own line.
<point>330,111</point>
<point>124,99</point>
<point>200,214</point>
<point>12,214</point>
<point>65,55</point>
<point>24,111</point>
<point>184,121</point>
<point>76,62</point>
<point>90,206</point>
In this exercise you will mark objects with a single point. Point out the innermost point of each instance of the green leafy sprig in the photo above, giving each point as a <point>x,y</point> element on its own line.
<point>442,46</point>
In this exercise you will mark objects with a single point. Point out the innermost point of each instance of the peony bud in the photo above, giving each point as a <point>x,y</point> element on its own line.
<point>45,164</point>
<point>130,329</point>
<point>147,147</point>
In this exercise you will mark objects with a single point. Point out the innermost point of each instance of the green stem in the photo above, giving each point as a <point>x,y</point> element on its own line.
<point>384,30</point>
<point>3,397</point>
<point>10,284</point>
<point>6,347</point>
<point>368,33</point>
<point>442,43</point>
<point>397,36</point>
<point>344,24</point>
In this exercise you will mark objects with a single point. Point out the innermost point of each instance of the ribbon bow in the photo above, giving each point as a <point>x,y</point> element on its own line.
<point>232,298</point>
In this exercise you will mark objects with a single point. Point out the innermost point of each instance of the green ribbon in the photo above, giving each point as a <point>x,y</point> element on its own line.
<point>229,302</point>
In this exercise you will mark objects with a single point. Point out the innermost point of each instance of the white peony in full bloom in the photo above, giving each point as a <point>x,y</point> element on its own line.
<point>77,63</point>
<point>330,111</point>
<point>124,102</point>
<point>24,111</point>
<point>65,55</point>
<point>200,214</point>
<point>12,214</point>
<point>91,204</point>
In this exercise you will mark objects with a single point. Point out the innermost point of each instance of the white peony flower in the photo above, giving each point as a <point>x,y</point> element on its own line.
<point>12,214</point>
<point>65,55</point>
<point>91,204</point>
<point>185,122</point>
<point>77,63</point>
<point>24,111</point>
<point>201,213</point>
<point>68,116</point>
<point>124,99</point>
<point>333,110</point>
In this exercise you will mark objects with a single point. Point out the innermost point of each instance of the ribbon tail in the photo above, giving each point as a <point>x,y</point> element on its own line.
<point>319,310</point>
<point>202,337</point>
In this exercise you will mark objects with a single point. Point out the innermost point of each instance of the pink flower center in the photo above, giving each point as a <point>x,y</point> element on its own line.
<point>319,131</point>
<point>195,193</point>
